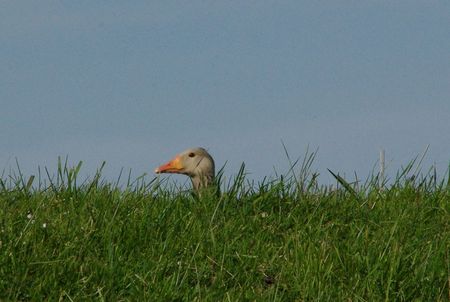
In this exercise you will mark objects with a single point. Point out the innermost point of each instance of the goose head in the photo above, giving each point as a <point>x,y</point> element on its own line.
<point>195,163</point>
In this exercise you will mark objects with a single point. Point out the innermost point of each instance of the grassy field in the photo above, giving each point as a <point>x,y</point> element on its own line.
<point>287,239</point>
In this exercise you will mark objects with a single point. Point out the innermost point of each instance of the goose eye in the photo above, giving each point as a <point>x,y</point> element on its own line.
<point>191,154</point>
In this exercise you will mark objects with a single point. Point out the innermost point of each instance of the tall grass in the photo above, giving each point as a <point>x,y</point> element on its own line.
<point>283,239</point>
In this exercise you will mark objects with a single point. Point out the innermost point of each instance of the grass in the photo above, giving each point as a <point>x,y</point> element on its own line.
<point>286,239</point>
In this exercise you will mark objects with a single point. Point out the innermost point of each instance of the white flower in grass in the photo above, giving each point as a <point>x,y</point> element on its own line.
<point>44,225</point>
<point>29,216</point>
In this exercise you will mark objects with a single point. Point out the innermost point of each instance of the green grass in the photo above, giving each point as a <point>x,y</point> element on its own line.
<point>287,239</point>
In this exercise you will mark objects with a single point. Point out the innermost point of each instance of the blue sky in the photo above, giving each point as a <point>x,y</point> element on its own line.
<point>133,83</point>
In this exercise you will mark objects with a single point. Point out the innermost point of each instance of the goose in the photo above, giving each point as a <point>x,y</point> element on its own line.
<point>196,163</point>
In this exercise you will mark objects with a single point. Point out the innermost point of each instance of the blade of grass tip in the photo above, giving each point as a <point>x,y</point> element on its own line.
<point>150,184</point>
<point>139,184</point>
<point>67,170</point>
<point>313,182</point>
<point>30,182</point>
<point>305,170</point>
<point>428,180</point>
<point>219,174</point>
<point>94,182</point>
<point>306,163</point>
<point>448,176</point>
<point>292,165</point>
<point>98,174</point>
<point>52,185</point>
<point>64,173</point>
<point>76,171</point>
<point>20,174</point>
<point>3,185</point>
<point>435,177</point>
<point>356,181</point>
<point>218,179</point>
<point>78,168</point>
<point>345,184</point>
<point>129,178</point>
<point>238,181</point>
<point>116,184</point>
<point>440,184</point>
<point>59,171</point>
<point>39,178</point>
<point>70,176</point>
<point>3,173</point>
<point>421,160</point>
<point>275,172</point>
<point>404,171</point>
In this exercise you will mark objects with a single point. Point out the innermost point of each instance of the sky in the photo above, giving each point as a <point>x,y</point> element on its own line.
<point>133,83</point>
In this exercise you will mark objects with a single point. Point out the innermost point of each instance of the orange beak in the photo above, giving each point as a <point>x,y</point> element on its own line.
<point>173,166</point>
